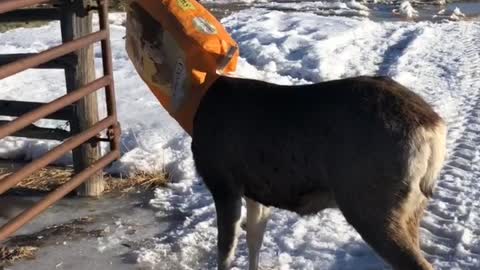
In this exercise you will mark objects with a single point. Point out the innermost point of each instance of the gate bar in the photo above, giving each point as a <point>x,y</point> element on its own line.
<point>57,63</point>
<point>9,5</point>
<point>19,108</point>
<point>73,142</point>
<point>27,215</point>
<point>50,54</point>
<point>108,71</point>
<point>51,107</point>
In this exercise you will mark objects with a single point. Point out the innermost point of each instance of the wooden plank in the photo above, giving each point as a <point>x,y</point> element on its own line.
<point>59,63</point>
<point>32,14</point>
<point>86,114</point>
<point>18,108</point>
<point>35,132</point>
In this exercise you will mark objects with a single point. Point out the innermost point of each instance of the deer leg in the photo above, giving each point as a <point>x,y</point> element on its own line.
<point>257,218</point>
<point>392,231</point>
<point>228,209</point>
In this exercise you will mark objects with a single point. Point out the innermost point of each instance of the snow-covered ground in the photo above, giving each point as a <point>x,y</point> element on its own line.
<point>418,10</point>
<point>440,61</point>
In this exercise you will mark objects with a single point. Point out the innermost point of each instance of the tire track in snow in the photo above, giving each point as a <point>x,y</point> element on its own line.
<point>468,244</point>
<point>402,39</point>
<point>449,227</point>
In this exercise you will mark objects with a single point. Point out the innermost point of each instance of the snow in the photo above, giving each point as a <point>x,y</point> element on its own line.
<point>406,10</point>
<point>457,14</point>
<point>346,8</point>
<point>440,61</point>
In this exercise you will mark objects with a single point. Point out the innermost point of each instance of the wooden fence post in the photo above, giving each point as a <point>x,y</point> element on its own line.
<point>76,22</point>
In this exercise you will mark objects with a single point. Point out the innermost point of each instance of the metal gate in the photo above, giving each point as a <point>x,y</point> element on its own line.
<point>59,56</point>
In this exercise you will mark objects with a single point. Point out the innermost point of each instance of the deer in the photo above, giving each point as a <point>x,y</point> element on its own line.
<point>366,145</point>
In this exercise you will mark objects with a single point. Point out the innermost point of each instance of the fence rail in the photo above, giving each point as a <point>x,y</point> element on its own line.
<point>11,5</point>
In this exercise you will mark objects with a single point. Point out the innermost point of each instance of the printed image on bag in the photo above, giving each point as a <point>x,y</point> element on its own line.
<point>145,43</point>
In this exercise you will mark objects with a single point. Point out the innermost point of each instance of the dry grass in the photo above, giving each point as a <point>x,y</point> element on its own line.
<point>139,180</point>
<point>50,178</point>
<point>8,255</point>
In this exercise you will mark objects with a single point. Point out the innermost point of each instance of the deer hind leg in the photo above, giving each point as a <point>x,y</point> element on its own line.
<point>391,231</point>
<point>413,221</point>
<point>228,209</point>
<point>257,218</point>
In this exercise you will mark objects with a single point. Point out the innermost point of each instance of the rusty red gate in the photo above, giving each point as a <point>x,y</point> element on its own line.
<point>59,57</point>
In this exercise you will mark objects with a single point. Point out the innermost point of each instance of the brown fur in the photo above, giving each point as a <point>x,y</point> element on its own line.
<point>367,145</point>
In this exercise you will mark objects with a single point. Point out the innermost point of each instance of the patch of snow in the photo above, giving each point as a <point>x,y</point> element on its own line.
<point>357,5</point>
<point>338,8</point>
<point>406,9</point>
<point>457,14</point>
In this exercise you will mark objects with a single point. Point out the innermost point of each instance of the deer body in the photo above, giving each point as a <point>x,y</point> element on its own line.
<point>366,145</point>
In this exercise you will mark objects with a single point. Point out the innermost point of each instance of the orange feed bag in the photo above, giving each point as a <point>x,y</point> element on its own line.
<point>179,49</point>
